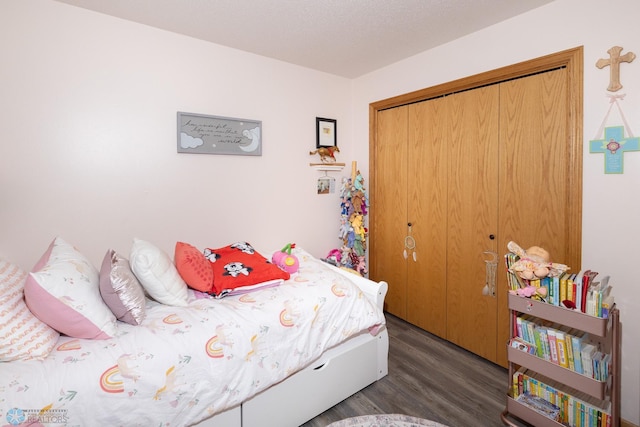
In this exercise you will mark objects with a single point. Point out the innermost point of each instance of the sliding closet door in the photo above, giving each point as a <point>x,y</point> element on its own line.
<point>472,190</point>
<point>535,180</point>
<point>427,213</point>
<point>388,216</point>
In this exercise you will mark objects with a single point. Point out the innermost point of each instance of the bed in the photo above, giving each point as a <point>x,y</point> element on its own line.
<point>274,355</point>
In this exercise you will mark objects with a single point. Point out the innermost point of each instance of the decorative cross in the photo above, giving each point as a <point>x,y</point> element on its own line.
<point>614,63</point>
<point>613,146</point>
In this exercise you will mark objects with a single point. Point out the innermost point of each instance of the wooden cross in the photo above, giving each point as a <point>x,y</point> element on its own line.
<point>614,146</point>
<point>614,63</point>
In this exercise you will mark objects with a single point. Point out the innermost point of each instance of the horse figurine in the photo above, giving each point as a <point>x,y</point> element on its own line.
<point>327,154</point>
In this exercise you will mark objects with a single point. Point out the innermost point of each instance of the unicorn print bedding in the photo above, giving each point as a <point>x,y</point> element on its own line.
<point>184,363</point>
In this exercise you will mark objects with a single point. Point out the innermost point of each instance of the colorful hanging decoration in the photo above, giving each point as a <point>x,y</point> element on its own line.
<point>613,144</point>
<point>354,205</point>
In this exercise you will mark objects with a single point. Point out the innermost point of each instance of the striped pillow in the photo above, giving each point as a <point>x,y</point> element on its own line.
<point>22,335</point>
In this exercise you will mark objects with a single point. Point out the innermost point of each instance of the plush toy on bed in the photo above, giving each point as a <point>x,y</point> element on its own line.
<point>333,257</point>
<point>286,260</point>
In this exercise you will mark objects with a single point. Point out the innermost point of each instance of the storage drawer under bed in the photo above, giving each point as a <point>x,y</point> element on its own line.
<point>328,381</point>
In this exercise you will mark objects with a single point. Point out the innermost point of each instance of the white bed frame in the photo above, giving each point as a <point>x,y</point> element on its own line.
<point>337,374</point>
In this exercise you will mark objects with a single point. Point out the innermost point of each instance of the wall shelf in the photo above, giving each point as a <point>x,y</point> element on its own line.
<point>327,167</point>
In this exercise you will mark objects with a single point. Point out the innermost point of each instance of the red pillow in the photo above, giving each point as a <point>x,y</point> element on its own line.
<point>193,267</point>
<point>240,268</point>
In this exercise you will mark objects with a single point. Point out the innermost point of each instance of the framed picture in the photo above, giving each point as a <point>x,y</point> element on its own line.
<point>203,134</point>
<point>326,185</point>
<point>326,133</point>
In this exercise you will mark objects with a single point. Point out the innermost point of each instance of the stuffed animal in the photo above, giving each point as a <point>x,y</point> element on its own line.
<point>333,257</point>
<point>286,260</point>
<point>534,263</point>
<point>534,292</point>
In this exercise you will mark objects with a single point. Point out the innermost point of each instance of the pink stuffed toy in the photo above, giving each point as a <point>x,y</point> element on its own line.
<point>532,292</point>
<point>286,260</point>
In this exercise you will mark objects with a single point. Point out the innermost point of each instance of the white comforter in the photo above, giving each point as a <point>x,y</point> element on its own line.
<point>184,364</point>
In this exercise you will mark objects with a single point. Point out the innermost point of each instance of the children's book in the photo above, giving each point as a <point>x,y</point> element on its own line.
<point>553,346</point>
<point>569,346</point>
<point>522,345</point>
<point>576,340</point>
<point>562,349</point>
<point>586,353</point>
<point>540,405</point>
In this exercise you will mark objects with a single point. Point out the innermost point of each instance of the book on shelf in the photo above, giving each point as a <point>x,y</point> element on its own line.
<point>575,408</point>
<point>540,405</point>
<point>537,340</point>
<point>569,347</point>
<point>554,289</point>
<point>563,286</point>
<point>587,279</point>
<point>577,294</point>
<point>607,305</point>
<point>510,258</point>
<point>561,344</point>
<point>570,288</point>
<point>596,361</point>
<point>584,294</point>
<point>599,293</point>
<point>522,345</point>
<point>544,342</point>
<point>605,366</point>
<point>576,341</point>
<point>586,353</point>
<point>545,282</point>
<point>553,346</point>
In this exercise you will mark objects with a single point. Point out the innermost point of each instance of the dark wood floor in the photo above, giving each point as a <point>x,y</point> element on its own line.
<point>429,378</point>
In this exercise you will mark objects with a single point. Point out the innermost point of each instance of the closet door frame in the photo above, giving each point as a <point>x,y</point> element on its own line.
<point>572,61</point>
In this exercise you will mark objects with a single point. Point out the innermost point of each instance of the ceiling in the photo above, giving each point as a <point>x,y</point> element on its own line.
<point>343,37</point>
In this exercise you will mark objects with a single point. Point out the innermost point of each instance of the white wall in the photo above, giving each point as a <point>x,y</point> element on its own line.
<point>611,203</point>
<point>88,139</point>
<point>88,150</point>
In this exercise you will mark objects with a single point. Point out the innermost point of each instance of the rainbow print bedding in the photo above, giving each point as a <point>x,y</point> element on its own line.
<point>184,364</point>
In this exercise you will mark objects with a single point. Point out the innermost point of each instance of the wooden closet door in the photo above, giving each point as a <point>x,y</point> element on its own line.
<point>427,212</point>
<point>388,216</point>
<point>473,126</point>
<point>535,178</point>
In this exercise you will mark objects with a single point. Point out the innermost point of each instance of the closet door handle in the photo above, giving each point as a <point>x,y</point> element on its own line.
<point>492,236</point>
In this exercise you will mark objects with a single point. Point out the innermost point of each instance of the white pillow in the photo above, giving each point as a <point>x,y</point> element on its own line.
<point>22,335</point>
<point>63,291</point>
<point>157,274</point>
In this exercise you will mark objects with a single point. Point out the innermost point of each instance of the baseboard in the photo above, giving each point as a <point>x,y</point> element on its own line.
<point>624,423</point>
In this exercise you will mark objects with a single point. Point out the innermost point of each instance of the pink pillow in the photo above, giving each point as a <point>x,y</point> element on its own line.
<point>63,292</point>
<point>121,290</point>
<point>193,267</point>
<point>22,335</point>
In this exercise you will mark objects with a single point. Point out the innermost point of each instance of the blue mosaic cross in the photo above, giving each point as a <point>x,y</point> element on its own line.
<point>614,146</point>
